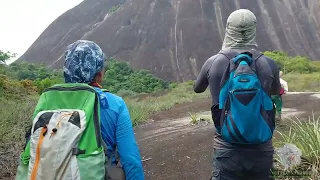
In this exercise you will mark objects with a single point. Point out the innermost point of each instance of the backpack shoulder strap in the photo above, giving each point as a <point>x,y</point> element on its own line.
<point>228,53</point>
<point>255,54</point>
<point>260,56</point>
<point>263,67</point>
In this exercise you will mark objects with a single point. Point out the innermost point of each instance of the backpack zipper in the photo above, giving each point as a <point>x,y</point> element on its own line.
<point>227,104</point>
<point>248,74</point>
<point>244,90</point>
<point>76,88</point>
<point>37,160</point>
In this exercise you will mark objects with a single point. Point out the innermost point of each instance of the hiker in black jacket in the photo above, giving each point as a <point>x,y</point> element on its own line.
<point>234,161</point>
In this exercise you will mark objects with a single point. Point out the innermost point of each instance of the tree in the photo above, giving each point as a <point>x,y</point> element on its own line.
<point>4,56</point>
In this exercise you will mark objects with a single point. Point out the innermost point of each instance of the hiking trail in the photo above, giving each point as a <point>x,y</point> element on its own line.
<point>172,148</point>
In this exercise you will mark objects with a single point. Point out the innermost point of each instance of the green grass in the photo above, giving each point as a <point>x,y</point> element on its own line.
<point>303,82</point>
<point>197,118</point>
<point>114,8</point>
<point>194,118</point>
<point>15,116</point>
<point>306,136</point>
<point>141,110</point>
<point>207,118</point>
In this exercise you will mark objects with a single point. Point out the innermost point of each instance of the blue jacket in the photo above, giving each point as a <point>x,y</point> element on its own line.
<point>116,128</point>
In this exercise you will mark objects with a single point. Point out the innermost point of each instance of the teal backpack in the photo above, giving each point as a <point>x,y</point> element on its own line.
<point>65,139</point>
<point>247,110</point>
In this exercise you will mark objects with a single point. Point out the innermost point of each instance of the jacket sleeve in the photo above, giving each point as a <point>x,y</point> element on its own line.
<point>127,147</point>
<point>202,83</point>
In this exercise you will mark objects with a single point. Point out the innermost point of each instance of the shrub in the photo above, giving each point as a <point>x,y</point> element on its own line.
<point>173,85</point>
<point>126,93</point>
<point>290,64</point>
<point>114,8</point>
<point>306,136</point>
<point>141,110</point>
<point>15,116</point>
<point>120,76</point>
<point>47,82</point>
<point>194,118</point>
<point>29,86</point>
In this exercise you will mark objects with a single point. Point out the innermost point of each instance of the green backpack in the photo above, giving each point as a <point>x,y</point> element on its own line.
<point>65,140</point>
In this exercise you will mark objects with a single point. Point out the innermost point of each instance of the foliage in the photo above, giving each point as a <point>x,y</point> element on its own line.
<point>15,116</point>
<point>306,136</point>
<point>47,82</point>
<point>114,8</point>
<point>194,118</point>
<point>126,93</point>
<point>290,64</point>
<point>23,70</point>
<point>13,89</point>
<point>141,110</point>
<point>172,85</point>
<point>200,118</point>
<point>207,118</point>
<point>36,76</point>
<point>120,76</point>
<point>301,73</point>
<point>4,56</point>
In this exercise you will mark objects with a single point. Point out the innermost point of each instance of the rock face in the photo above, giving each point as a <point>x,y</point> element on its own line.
<point>173,38</point>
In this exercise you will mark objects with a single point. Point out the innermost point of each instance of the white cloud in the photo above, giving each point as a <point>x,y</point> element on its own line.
<point>22,21</point>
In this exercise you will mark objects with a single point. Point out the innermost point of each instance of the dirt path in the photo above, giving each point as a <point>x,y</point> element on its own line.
<point>179,151</point>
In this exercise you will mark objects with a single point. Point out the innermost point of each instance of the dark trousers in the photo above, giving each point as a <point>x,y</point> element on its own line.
<point>242,165</point>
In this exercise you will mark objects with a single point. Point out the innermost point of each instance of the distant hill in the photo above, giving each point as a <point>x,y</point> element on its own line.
<point>173,38</point>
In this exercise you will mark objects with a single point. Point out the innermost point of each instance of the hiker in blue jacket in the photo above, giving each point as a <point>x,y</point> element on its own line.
<point>232,161</point>
<point>85,63</point>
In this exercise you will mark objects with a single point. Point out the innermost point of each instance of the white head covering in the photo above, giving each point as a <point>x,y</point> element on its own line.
<point>240,30</point>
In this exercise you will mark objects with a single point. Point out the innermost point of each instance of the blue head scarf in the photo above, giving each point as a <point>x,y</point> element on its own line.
<point>83,60</point>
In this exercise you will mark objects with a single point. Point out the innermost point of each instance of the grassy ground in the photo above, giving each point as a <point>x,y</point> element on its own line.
<point>15,116</point>
<point>142,109</point>
<point>303,82</point>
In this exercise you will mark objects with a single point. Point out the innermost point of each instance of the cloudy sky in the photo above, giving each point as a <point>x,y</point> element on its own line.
<point>22,21</point>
